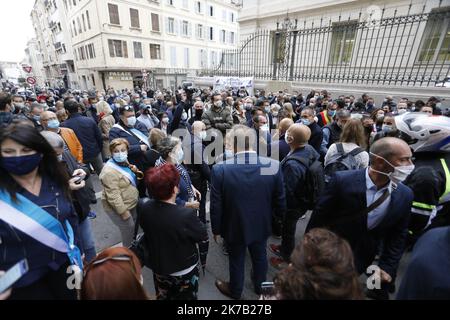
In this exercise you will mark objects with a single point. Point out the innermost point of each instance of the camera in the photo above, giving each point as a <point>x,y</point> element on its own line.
<point>191,90</point>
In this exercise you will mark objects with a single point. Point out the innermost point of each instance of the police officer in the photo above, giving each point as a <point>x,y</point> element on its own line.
<point>429,138</point>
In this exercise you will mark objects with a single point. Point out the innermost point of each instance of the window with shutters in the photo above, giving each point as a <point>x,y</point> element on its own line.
<point>435,44</point>
<point>211,11</point>
<point>83,55</point>
<point>134,17</point>
<point>173,56</point>
<point>232,37</point>
<point>79,25</point>
<point>185,28</point>
<point>74,28</point>
<point>200,31</point>
<point>118,48</point>
<point>223,35</point>
<point>203,63</point>
<point>155,22</point>
<point>155,51</point>
<point>342,42</point>
<point>113,14</point>
<point>198,7</point>
<point>91,51</point>
<point>171,25</point>
<point>211,33</point>
<point>88,20</point>
<point>213,58</point>
<point>137,46</point>
<point>186,57</point>
<point>84,22</point>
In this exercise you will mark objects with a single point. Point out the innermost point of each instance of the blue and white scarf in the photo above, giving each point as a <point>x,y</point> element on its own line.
<point>183,173</point>
<point>26,216</point>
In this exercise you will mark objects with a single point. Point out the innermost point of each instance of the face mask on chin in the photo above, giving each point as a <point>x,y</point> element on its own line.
<point>399,174</point>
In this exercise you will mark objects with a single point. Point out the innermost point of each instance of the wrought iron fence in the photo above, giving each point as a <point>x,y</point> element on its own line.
<point>406,50</point>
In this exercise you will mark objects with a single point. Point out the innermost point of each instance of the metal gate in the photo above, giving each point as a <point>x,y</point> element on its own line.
<point>379,48</point>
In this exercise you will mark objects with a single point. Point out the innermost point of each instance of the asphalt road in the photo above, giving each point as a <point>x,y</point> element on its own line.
<point>107,235</point>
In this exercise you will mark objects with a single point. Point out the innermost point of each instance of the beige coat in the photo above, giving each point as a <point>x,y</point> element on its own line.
<point>118,195</point>
<point>105,125</point>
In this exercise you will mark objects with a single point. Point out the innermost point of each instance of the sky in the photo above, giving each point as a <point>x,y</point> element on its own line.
<point>15,28</point>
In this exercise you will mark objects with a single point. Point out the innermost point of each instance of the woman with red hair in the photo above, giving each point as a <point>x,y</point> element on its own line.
<point>171,234</point>
<point>115,274</point>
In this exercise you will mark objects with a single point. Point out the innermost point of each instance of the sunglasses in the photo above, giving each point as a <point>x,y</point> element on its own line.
<point>121,257</point>
<point>127,108</point>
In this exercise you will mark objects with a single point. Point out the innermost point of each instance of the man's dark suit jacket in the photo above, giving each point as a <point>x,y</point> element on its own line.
<point>337,209</point>
<point>243,197</point>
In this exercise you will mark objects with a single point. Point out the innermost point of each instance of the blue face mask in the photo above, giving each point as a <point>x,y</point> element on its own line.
<point>332,113</point>
<point>37,118</point>
<point>120,157</point>
<point>22,165</point>
<point>306,122</point>
<point>53,124</point>
<point>228,154</point>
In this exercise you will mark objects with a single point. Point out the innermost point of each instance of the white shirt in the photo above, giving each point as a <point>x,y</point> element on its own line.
<point>375,216</point>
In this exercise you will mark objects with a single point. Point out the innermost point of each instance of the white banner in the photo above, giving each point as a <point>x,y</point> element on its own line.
<point>234,83</point>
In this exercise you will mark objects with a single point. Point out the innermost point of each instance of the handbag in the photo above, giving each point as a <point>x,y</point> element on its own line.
<point>139,245</point>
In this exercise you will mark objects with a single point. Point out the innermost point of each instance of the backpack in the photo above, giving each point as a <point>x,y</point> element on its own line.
<point>342,161</point>
<point>314,182</point>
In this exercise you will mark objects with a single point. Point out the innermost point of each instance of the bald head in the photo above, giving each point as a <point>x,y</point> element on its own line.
<point>388,147</point>
<point>386,154</point>
<point>47,115</point>
<point>198,126</point>
<point>59,105</point>
<point>298,135</point>
<point>284,125</point>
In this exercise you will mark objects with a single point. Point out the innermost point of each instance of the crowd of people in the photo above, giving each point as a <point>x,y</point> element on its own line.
<point>373,182</point>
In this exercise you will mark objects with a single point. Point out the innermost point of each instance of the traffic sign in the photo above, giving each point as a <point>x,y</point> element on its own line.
<point>27,69</point>
<point>31,80</point>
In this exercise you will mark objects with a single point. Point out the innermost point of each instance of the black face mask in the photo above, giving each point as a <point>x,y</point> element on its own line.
<point>198,112</point>
<point>368,130</point>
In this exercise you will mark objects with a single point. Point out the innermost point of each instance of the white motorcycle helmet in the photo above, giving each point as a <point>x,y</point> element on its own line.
<point>424,133</point>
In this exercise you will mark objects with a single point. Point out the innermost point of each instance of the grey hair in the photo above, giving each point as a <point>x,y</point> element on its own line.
<point>343,114</point>
<point>53,139</point>
<point>166,146</point>
<point>241,137</point>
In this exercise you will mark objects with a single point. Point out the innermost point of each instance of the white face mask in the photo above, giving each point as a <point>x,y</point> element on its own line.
<point>399,174</point>
<point>387,128</point>
<point>131,121</point>
<point>401,111</point>
<point>120,156</point>
<point>184,116</point>
<point>178,156</point>
<point>264,128</point>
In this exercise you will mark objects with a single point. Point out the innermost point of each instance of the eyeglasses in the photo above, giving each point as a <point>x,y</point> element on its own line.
<point>127,108</point>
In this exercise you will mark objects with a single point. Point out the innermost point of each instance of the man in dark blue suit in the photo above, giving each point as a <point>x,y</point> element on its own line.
<point>135,132</point>
<point>383,230</point>
<point>263,136</point>
<point>280,148</point>
<point>245,222</point>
